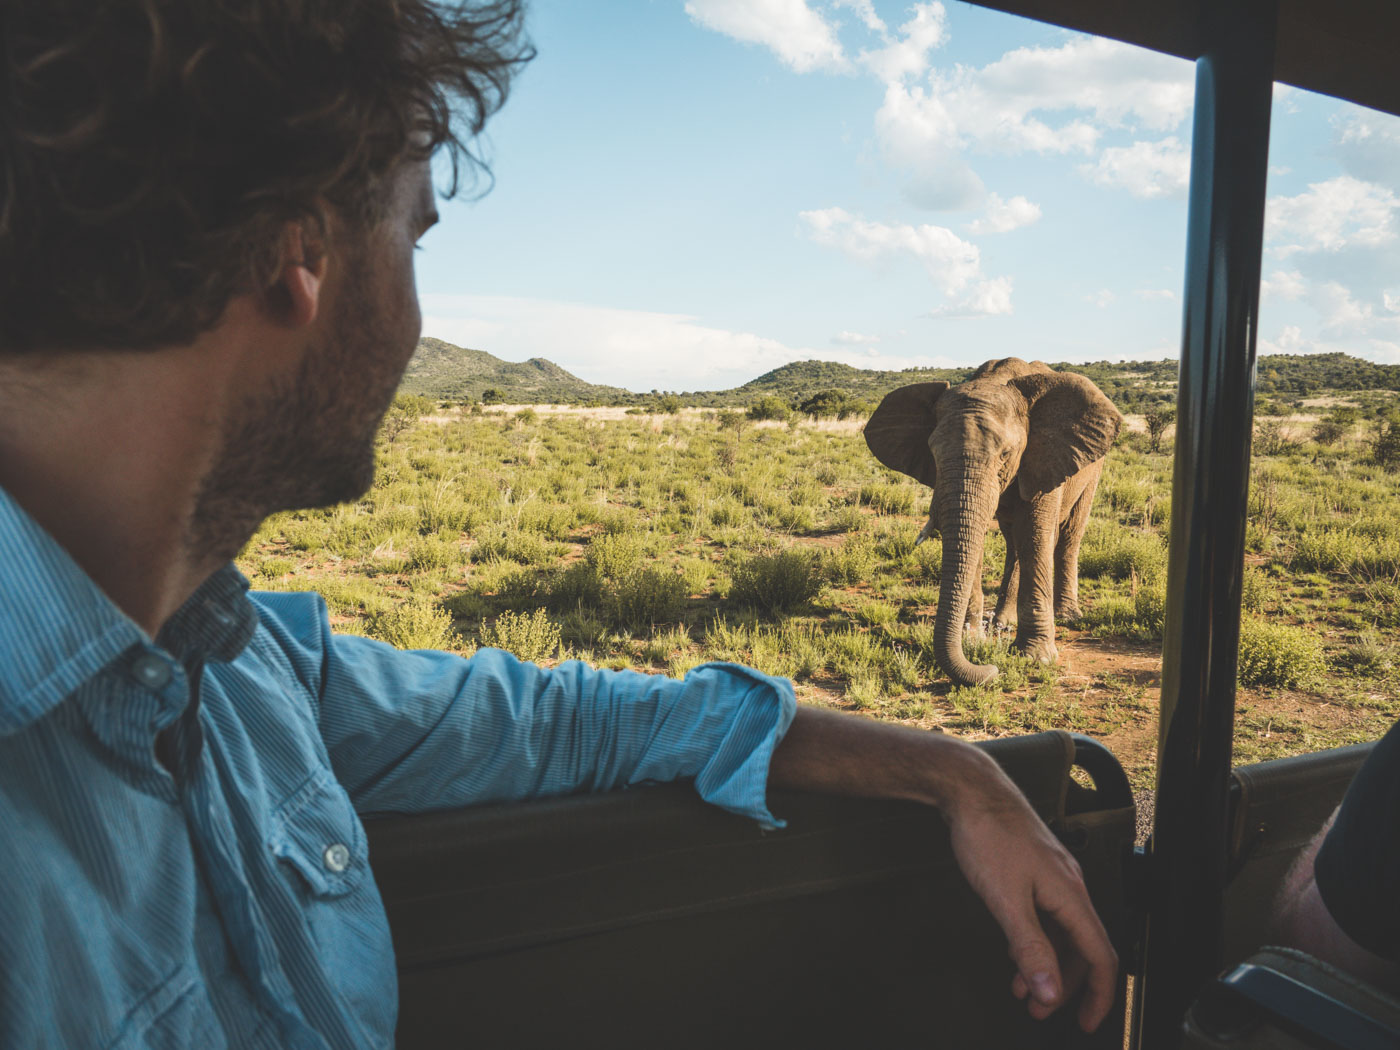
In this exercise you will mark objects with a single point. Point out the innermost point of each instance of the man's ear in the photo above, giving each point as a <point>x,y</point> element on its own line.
<point>295,293</point>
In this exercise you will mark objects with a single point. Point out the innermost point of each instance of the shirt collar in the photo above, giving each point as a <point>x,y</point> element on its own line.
<point>57,628</point>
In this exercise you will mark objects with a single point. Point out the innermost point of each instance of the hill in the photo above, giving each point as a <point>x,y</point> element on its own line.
<point>440,369</point>
<point>457,373</point>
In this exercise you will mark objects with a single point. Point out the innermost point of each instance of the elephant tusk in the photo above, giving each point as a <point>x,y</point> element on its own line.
<point>924,534</point>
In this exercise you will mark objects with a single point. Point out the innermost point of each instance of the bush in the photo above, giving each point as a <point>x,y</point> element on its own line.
<point>1328,431</point>
<point>1279,655</point>
<point>647,598</point>
<point>887,499</point>
<point>418,624</point>
<point>616,555</point>
<point>530,636</point>
<point>775,583</point>
<point>670,404</point>
<point>852,562</point>
<point>1158,418</point>
<point>1120,555</point>
<point>576,587</point>
<point>770,407</point>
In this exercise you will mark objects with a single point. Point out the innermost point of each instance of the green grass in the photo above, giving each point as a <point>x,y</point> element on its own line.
<point>664,540</point>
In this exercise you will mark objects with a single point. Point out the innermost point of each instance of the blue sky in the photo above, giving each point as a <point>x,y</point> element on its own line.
<point>688,194</point>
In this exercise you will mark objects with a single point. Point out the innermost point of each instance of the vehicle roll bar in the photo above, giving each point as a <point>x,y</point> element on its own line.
<point>1185,861</point>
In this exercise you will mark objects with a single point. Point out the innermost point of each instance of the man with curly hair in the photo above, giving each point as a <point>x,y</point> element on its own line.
<point>208,211</point>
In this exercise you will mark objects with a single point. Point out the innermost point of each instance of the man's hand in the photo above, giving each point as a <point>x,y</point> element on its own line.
<point>1032,886</point>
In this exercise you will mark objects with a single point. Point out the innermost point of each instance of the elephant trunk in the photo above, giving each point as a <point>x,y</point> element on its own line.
<point>966,504</point>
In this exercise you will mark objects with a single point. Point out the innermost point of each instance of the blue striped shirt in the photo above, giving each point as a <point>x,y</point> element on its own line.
<point>220,895</point>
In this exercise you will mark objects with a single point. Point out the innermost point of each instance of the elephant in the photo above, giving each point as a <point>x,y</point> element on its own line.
<point>1018,444</point>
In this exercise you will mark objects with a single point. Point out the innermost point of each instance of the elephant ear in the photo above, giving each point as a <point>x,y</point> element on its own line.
<point>898,431</point>
<point>1072,424</point>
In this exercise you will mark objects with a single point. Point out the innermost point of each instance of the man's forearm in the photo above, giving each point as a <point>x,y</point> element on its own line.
<point>846,755</point>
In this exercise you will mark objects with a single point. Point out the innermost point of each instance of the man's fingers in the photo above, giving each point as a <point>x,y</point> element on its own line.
<point>1090,959</point>
<point>1035,959</point>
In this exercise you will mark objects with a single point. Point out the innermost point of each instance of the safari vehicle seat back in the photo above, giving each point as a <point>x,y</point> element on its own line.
<point>646,918</point>
<point>1277,807</point>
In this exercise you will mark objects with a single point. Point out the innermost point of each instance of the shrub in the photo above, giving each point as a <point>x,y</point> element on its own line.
<point>431,552</point>
<point>775,583</point>
<point>530,636</point>
<point>887,499</point>
<point>852,562</point>
<point>1120,555</point>
<point>648,597</point>
<point>576,587</point>
<point>616,555</point>
<point>492,396</point>
<point>271,568</point>
<point>1158,418</point>
<point>770,407</point>
<point>669,404</point>
<point>1278,654</point>
<point>1328,431</point>
<point>415,624</point>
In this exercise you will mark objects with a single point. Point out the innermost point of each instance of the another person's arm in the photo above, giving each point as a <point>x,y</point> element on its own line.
<point>1341,900</point>
<point>1029,882</point>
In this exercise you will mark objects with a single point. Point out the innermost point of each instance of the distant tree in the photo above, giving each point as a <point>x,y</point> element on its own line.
<point>731,420</point>
<point>669,403</point>
<point>770,407</point>
<point>1328,431</point>
<point>1158,418</point>
<point>1386,448</point>
<point>825,404</point>
<point>491,396</point>
<point>406,410</point>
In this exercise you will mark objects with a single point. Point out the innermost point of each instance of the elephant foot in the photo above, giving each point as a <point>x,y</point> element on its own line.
<point>1004,623</point>
<point>1042,651</point>
<point>1066,613</point>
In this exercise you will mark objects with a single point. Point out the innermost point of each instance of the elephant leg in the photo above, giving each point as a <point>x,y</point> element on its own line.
<point>1010,579</point>
<point>1067,552</point>
<point>1035,550</point>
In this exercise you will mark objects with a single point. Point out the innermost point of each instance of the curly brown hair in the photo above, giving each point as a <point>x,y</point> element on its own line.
<point>151,151</point>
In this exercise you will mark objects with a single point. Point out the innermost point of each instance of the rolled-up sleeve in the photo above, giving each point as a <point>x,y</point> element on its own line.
<point>421,730</point>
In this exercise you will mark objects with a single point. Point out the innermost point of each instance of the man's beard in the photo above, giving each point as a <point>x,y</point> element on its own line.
<point>310,442</point>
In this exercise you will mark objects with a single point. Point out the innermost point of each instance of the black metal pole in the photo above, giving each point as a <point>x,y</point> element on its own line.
<point>1186,855</point>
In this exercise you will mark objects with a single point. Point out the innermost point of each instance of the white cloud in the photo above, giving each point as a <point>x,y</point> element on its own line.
<point>1282,284</point>
<point>907,56</point>
<point>986,299</point>
<point>953,264</point>
<point>1012,105</point>
<point>1332,215</point>
<point>1101,298</point>
<point>1367,143</point>
<point>1144,169</point>
<point>1156,293</point>
<point>638,350</point>
<point>854,339</point>
<point>1288,341</point>
<point>865,11</point>
<point>1004,216</point>
<point>799,36</point>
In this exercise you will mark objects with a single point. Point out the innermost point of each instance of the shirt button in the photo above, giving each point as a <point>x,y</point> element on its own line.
<point>337,857</point>
<point>151,671</point>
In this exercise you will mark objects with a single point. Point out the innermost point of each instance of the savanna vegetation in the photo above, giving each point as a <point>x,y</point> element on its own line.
<point>659,541</point>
